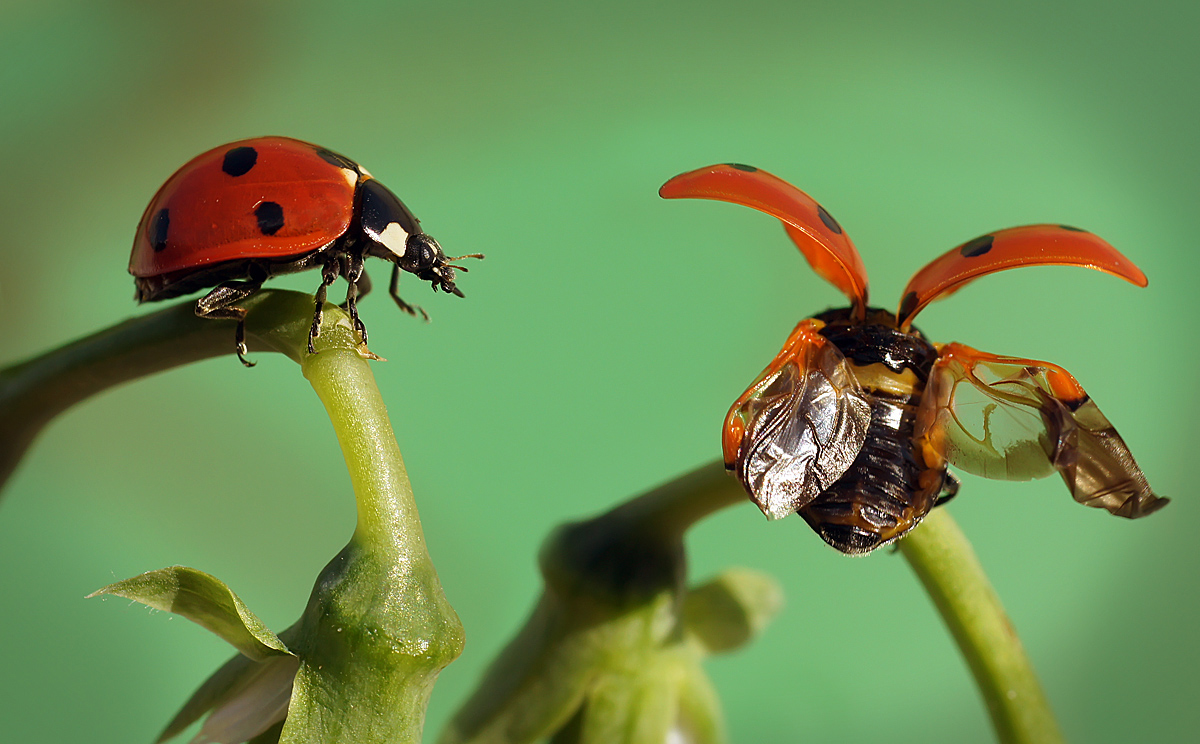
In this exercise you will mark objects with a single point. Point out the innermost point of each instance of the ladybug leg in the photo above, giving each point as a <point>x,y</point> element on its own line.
<point>355,275</point>
<point>394,292</point>
<point>364,286</point>
<point>219,304</point>
<point>329,275</point>
<point>949,489</point>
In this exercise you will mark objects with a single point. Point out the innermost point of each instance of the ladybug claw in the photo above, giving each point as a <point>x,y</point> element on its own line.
<point>413,310</point>
<point>241,355</point>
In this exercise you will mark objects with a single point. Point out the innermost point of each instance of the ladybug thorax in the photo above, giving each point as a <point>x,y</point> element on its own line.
<point>882,356</point>
<point>385,221</point>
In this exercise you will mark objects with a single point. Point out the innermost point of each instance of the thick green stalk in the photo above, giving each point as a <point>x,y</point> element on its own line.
<point>943,560</point>
<point>378,628</point>
<point>387,514</point>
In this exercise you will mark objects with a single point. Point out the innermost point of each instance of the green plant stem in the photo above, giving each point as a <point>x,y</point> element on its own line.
<point>377,629</point>
<point>387,513</point>
<point>33,392</point>
<point>672,508</point>
<point>604,656</point>
<point>943,560</point>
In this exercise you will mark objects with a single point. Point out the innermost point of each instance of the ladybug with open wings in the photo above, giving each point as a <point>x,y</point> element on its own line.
<point>853,423</point>
<point>241,213</point>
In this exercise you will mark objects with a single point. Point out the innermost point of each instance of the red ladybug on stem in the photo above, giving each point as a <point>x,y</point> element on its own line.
<point>241,213</point>
<point>854,422</point>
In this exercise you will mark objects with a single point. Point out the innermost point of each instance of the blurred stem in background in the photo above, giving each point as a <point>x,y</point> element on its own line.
<point>611,651</point>
<point>615,600</point>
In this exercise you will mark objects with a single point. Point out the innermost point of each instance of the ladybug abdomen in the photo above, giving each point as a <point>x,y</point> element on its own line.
<point>879,498</point>
<point>888,488</point>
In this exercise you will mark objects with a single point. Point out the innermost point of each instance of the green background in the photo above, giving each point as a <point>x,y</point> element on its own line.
<point>606,333</point>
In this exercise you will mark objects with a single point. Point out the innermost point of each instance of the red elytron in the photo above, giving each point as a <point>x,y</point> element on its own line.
<point>853,423</point>
<point>241,213</point>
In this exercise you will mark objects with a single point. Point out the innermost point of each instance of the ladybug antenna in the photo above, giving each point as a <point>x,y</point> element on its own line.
<point>445,272</point>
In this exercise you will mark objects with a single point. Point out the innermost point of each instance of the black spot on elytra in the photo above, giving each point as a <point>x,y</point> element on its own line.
<point>1072,229</point>
<point>156,231</point>
<point>270,217</point>
<point>341,161</point>
<point>908,304</point>
<point>239,161</point>
<point>977,247</point>
<point>741,167</point>
<point>828,219</point>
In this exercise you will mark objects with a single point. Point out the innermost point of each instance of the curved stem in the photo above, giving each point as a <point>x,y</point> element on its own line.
<point>378,628</point>
<point>33,392</point>
<point>387,512</point>
<point>673,507</point>
<point>943,560</point>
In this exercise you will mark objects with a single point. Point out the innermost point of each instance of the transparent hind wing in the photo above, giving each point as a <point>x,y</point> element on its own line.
<point>1018,419</point>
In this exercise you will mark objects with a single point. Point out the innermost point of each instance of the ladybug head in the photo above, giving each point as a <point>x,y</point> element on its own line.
<point>424,257</point>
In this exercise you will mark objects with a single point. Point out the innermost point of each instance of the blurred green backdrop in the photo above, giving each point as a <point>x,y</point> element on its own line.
<point>602,340</point>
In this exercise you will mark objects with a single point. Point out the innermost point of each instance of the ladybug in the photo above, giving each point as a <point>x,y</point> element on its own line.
<point>854,422</point>
<point>241,213</point>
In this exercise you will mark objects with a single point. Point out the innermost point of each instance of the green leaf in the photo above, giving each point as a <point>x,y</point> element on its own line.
<point>255,704</point>
<point>214,690</point>
<point>224,685</point>
<point>205,600</point>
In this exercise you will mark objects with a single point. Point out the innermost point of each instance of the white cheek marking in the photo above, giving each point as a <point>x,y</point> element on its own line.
<point>363,171</point>
<point>393,238</point>
<point>351,176</point>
